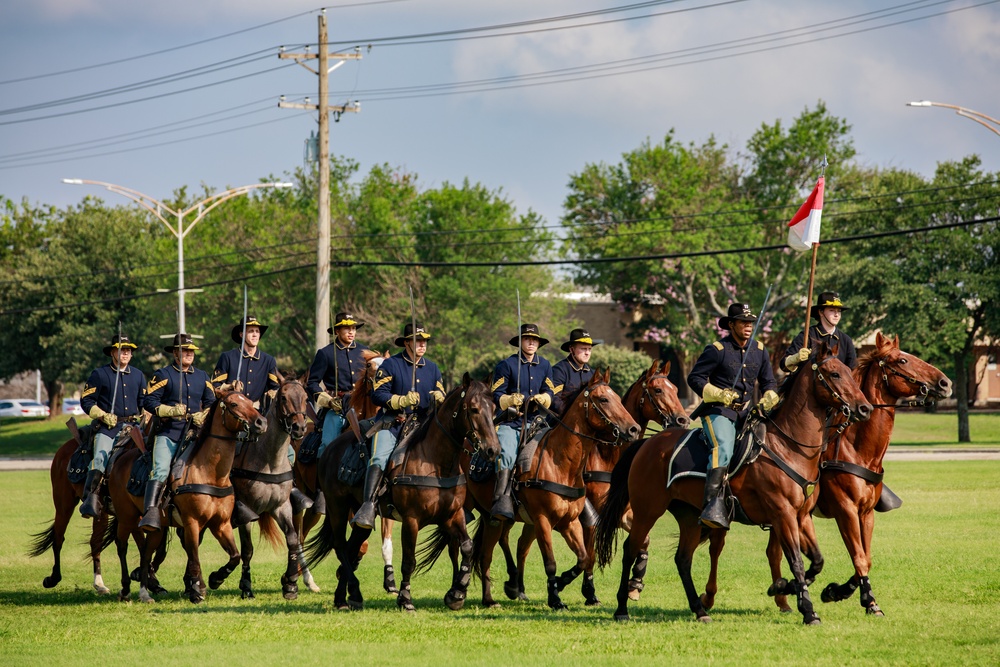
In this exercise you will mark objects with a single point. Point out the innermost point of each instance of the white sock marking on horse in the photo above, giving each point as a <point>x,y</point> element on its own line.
<point>99,585</point>
<point>144,595</point>
<point>387,551</point>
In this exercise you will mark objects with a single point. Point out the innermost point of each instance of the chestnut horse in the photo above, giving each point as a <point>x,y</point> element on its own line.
<point>773,489</point>
<point>551,490</point>
<point>850,481</point>
<point>201,499</point>
<point>652,397</point>
<point>427,487</point>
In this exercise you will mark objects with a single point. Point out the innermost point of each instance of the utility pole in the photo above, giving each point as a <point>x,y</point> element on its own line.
<point>325,109</point>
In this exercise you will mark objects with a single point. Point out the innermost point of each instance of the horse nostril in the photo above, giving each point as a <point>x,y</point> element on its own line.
<point>865,410</point>
<point>944,383</point>
<point>633,431</point>
<point>261,424</point>
<point>683,422</point>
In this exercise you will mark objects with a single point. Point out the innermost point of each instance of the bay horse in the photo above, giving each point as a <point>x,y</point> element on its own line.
<point>202,498</point>
<point>771,489</point>
<point>426,487</point>
<point>851,472</point>
<point>262,479</point>
<point>651,398</point>
<point>551,490</point>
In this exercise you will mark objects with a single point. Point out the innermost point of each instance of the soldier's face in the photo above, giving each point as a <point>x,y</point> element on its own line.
<point>416,350</point>
<point>252,336</point>
<point>830,317</point>
<point>184,358</point>
<point>346,335</point>
<point>741,330</point>
<point>122,356</point>
<point>529,346</point>
<point>580,352</point>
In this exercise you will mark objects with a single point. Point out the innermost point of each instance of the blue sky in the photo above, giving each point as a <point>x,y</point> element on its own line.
<point>525,140</point>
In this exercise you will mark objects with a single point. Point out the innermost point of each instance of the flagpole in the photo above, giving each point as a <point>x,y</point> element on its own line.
<point>812,274</point>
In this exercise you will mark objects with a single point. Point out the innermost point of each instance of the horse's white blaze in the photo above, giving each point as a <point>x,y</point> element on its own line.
<point>387,550</point>
<point>99,585</point>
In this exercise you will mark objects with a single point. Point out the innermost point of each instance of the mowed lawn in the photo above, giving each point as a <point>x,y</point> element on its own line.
<point>936,575</point>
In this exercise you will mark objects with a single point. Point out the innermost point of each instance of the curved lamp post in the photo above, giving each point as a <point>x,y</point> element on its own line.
<point>178,229</point>
<point>991,124</point>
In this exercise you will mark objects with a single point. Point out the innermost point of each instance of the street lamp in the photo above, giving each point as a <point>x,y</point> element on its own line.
<point>178,229</point>
<point>991,124</point>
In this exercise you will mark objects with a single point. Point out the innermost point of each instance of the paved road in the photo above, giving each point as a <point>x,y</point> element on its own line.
<point>897,455</point>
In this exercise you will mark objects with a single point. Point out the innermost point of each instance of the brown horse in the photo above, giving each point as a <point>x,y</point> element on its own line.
<point>551,490</point>
<point>773,489</point>
<point>651,398</point>
<point>426,487</point>
<point>201,499</point>
<point>850,481</point>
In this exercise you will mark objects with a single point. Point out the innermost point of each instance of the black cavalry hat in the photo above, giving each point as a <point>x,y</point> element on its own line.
<point>345,320</point>
<point>408,333</point>
<point>251,321</point>
<point>119,341</point>
<point>182,341</point>
<point>530,331</point>
<point>737,312</point>
<point>827,300</point>
<point>578,336</point>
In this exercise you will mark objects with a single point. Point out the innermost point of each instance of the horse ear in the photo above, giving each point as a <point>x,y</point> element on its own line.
<point>607,375</point>
<point>385,355</point>
<point>281,378</point>
<point>594,379</point>
<point>466,380</point>
<point>834,349</point>
<point>879,339</point>
<point>665,369</point>
<point>652,369</point>
<point>895,342</point>
<point>489,379</point>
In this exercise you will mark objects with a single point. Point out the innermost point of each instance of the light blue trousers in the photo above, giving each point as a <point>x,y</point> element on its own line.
<point>163,453</point>
<point>333,426</point>
<point>102,449</point>
<point>720,434</point>
<point>509,437</point>
<point>382,445</point>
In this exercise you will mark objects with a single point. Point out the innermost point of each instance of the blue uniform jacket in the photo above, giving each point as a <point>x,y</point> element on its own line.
<point>567,378</point>
<point>339,378</point>
<point>394,377</point>
<point>258,374</point>
<point>171,386</point>
<point>536,378</point>
<point>128,402</point>
<point>845,352</point>
<point>725,365</point>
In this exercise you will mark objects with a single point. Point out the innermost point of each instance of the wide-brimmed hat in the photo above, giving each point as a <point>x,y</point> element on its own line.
<point>119,341</point>
<point>345,320</point>
<point>827,300</point>
<point>408,333</point>
<point>183,341</point>
<point>578,336</point>
<point>251,321</point>
<point>529,331</point>
<point>739,312</point>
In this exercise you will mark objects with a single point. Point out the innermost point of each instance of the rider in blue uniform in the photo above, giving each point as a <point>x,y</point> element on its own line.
<point>333,373</point>
<point>725,376</point>
<point>398,393</point>
<point>524,374</point>
<point>111,409</point>
<point>827,312</point>
<point>178,394</point>
<point>573,372</point>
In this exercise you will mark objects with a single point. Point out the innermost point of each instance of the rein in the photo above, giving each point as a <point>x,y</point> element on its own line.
<point>666,420</point>
<point>923,390</point>
<point>286,419</point>
<point>617,442</point>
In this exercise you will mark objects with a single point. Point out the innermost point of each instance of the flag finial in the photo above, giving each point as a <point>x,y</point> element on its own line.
<point>824,165</point>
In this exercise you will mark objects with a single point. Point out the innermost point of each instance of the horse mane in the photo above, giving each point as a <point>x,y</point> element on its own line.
<point>570,398</point>
<point>203,433</point>
<point>865,362</point>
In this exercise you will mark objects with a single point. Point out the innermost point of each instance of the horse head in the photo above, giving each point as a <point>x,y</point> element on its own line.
<point>905,375</point>
<point>291,401</point>
<point>603,411</point>
<point>834,385</point>
<point>470,407</point>
<point>659,401</point>
<point>361,401</point>
<point>239,414</point>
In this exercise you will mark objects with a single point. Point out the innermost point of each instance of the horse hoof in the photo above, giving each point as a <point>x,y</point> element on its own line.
<point>873,610</point>
<point>355,605</point>
<point>811,619</point>
<point>195,598</point>
<point>557,606</point>
<point>124,596</point>
<point>785,610</point>
<point>102,590</point>
<point>622,616</point>
<point>705,619</point>
<point>146,599</point>
<point>454,601</point>
<point>779,587</point>
<point>491,605</point>
<point>511,590</point>
<point>156,589</point>
<point>247,595</point>
<point>214,581</point>
<point>312,586</point>
<point>290,595</point>
<point>51,582</point>
<point>633,595</point>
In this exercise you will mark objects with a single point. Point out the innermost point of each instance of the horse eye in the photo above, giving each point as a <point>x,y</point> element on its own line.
<point>835,376</point>
<point>902,360</point>
<point>474,411</point>
<point>657,391</point>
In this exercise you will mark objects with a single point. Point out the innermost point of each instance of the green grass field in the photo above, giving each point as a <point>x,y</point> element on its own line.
<point>936,575</point>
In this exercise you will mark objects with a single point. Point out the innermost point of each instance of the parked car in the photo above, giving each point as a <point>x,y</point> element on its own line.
<point>71,406</point>
<point>22,408</point>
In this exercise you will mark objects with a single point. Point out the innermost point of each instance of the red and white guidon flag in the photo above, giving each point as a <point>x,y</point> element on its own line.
<point>803,230</point>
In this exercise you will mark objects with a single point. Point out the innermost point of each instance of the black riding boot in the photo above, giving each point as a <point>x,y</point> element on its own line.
<point>365,516</point>
<point>91,507</point>
<point>503,505</point>
<point>151,512</point>
<point>319,503</point>
<point>715,514</point>
<point>300,501</point>
<point>242,515</point>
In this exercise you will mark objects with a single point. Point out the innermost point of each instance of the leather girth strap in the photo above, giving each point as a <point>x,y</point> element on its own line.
<point>571,492</point>
<point>267,478</point>
<point>205,490</point>
<point>424,480</point>
<point>853,469</point>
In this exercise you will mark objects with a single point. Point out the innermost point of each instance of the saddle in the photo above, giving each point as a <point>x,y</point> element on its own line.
<point>691,455</point>
<point>309,449</point>
<point>481,470</point>
<point>79,462</point>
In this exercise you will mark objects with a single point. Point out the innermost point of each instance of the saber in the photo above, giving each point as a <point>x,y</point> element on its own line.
<point>243,341</point>
<point>336,367</point>
<point>118,369</point>
<point>413,330</point>
<point>756,325</point>
<point>519,341</point>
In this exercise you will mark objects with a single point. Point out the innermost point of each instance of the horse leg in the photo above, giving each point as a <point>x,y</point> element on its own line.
<point>388,575</point>
<point>849,523</point>
<point>524,543</point>
<point>573,535</point>
<point>635,584</point>
<point>349,563</point>
<point>96,540</point>
<point>543,535</point>
<point>454,599</point>
<point>787,527</point>
<point>687,542</point>
<point>159,555</point>
<point>283,517</point>
<point>146,556</point>
<point>246,555</point>
<point>491,535</point>
<point>867,598</point>
<point>304,522</point>
<point>223,532</point>
<point>779,588</point>
<point>121,542</point>
<point>510,587</point>
<point>587,587</point>
<point>717,542</point>
<point>810,547</point>
<point>409,539</point>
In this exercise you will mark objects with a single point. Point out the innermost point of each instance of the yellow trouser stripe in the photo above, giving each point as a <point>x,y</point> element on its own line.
<point>715,442</point>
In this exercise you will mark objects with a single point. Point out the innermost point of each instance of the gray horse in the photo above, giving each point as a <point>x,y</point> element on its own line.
<point>262,478</point>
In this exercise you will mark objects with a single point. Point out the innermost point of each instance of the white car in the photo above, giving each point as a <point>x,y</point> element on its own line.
<point>22,408</point>
<point>71,406</point>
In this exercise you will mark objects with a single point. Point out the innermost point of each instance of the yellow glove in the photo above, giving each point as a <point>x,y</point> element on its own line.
<point>271,393</point>
<point>198,418</point>
<point>511,401</point>
<point>437,396</point>
<point>171,410</point>
<point>768,400</point>
<point>232,386</point>
<point>793,360</point>
<point>324,400</point>
<point>108,418</point>
<point>712,394</point>
<point>543,400</point>
<point>402,401</point>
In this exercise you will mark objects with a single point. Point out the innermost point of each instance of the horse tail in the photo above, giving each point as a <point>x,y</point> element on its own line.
<point>110,534</point>
<point>430,549</point>
<point>43,541</point>
<point>269,531</point>
<point>320,544</point>
<point>477,547</point>
<point>615,504</point>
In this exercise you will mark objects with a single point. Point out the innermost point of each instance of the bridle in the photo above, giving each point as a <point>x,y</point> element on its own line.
<point>471,442</point>
<point>617,442</point>
<point>286,420</point>
<point>666,420</point>
<point>242,429</point>
<point>923,390</point>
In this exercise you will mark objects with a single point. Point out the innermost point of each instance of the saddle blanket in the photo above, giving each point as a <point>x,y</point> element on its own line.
<point>692,454</point>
